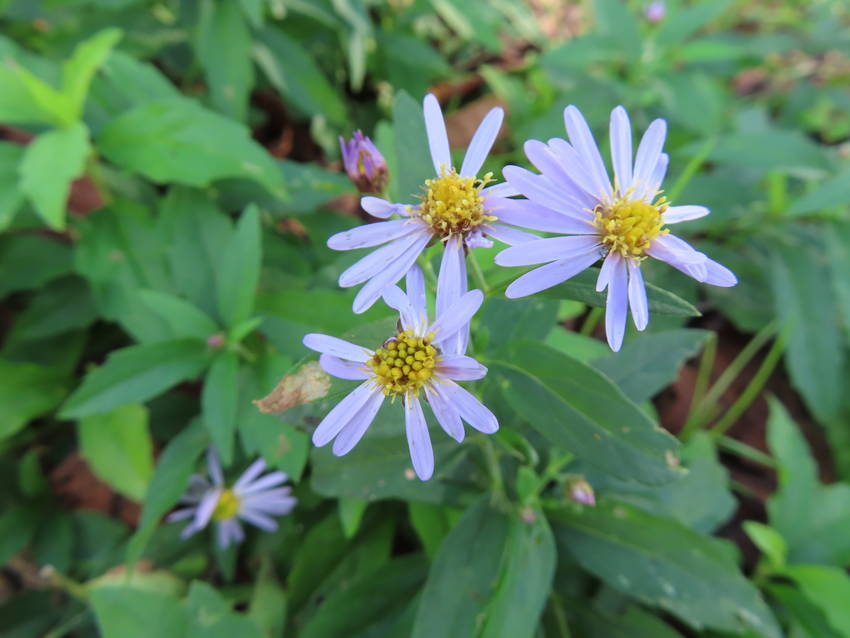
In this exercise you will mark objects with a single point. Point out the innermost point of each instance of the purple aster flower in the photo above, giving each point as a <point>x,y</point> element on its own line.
<point>363,163</point>
<point>413,364</point>
<point>252,498</point>
<point>655,11</point>
<point>457,207</point>
<point>624,223</point>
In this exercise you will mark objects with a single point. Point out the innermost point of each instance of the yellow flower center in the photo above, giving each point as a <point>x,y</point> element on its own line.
<point>628,227</point>
<point>404,364</point>
<point>454,204</point>
<point>227,506</point>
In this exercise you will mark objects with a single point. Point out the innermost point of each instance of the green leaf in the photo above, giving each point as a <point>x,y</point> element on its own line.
<point>661,563</point>
<point>770,150</point>
<point>582,288</point>
<point>11,196</point>
<point>136,374</point>
<point>49,165</point>
<point>769,542</point>
<point>239,271</point>
<point>27,390</point>
<point>211,616</point>
<point>77,72</point>
<point>683,22</point>
<point>616,21</point>
<point>60,307</point>
<point>351,514</point>
<point>464,575</point>
<point>832,193</point>
<point>30,261</point>
<point>363,607</point>
<point>813,518</point>
<point>168,484</point>
<point>577,409</point>
<point>827,588</point>
<point>218,403</point>
<point>174,140</point>
<point>525,581</point>
<point>223,45</point>
<point>650,362</point>
<point>17,525</point>
<point>27,99</point>
<point>431,523</point>
<point>293,71</point>
<point>413,158</point>
<point>127,612</point>
<point>806,619</point>
<point>815,353</point>
<point>184,319</point>
<point>838,256</point>
<point>268,603</point>
<point>118,447</point>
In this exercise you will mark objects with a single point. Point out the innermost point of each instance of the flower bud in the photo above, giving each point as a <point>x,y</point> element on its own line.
<point>655,11</point>
<point>363,163</point>
<point>580,491</point>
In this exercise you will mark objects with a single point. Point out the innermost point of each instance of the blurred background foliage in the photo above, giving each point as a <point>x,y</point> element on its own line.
<point>170,172</point>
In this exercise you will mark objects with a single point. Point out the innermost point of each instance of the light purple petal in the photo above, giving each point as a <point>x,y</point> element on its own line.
<point>277,507</point>
<point>472,410</point>
<point>336,347</point>
<point>508,235</point>
<point>608,265</point>
<point>418,439</point>
<point>617,304</point>
<point>342,413</point>
<point>460,368</point>
<point>527,214</point>
<point>415,284</point>
<point>575,166</point>
<point>621,149</point>
<point>189,530</point>
<point>229,531</point>
<point>380,260</point>
<point>451,286</point>
<point>549,249</point>
<point>676,214</point>
<point>342,369</point>
<point>394,271</point>
<point>378,207</point>
<point>499,190</point>
<point>357,426</point>
<point>482,142</point>
<point>719,275</point>
<point>270,480</point>
<point>214,467</point>
<point>648,154</point>
<point>456,317</point>
<point>180,515</point>
<point>447,416</point>
<point>206,508</point>
<point>637,296</point>
<point>550,275</point>
<point>542,190</point>
<point>258,519</point>
<point>254,470</point>
<point>582,140</point>
<point>561,184</point>
<point>370,235</point>
<point>435,127</point>
<point>649,191</point>
<point>673,250</point>
<point>396,299</point>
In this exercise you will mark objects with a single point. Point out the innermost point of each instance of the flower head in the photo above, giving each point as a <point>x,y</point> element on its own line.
<point>655,11</point>
<point>624,223</point>
<point>363,163</point>
<point>418,362</point>
<point>252,498</point>
<point>457,207</point>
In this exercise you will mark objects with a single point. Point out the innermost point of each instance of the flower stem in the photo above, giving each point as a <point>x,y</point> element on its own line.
<point>495,471</point>
<point>480,281</point>
<point>591,321</point>
<point>690,170</point>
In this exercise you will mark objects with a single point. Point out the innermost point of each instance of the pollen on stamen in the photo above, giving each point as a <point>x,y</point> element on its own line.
<point>628,227</point>
<point>453,204</point>
<point>227,506</point>
<point>404,364</point>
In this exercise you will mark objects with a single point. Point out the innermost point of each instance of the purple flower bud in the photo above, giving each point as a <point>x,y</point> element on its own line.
<point>580,491</point>
<point>215,341</point>
<point>655,11</point>
<point>363,163</point>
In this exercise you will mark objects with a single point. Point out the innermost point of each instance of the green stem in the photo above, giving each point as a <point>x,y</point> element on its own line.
<point>428,269</point>
<point>703,411</point>
<point>752,390</point>
<point>480,281</point>
<point>734,446</point>
<point>560,616</point>
<point>690,170</point>
<point>706,365</point>
<point>591,321</point>
<point>777,194</point>
<point>495,471</point>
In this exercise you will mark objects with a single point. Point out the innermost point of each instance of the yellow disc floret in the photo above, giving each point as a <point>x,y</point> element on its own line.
<point>628,227</point>
<point>227,506</point>
<point>453,204</point>
<point>404,364</point>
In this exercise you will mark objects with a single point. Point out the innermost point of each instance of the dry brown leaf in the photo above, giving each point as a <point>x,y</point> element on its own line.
<point>309,383</point>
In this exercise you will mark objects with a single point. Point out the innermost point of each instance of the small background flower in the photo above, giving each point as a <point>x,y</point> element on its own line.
<point>363,163</point>
<point>254,498</point>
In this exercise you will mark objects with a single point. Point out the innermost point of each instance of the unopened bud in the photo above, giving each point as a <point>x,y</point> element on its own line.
<point>580,491</point>
<point>655,11</point>
<point>215,341</point>
<point>364,164</point>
